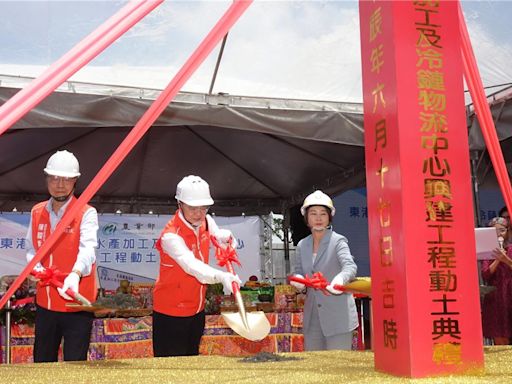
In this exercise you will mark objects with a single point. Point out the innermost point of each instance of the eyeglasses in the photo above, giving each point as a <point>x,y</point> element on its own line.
<point>57,179</point>
<point>202,208</point>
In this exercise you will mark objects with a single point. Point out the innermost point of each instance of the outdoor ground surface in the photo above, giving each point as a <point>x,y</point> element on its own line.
<point>298,368</point>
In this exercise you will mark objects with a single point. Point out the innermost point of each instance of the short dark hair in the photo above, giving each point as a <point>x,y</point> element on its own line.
<point>318,205</point>
<point>503,210</point>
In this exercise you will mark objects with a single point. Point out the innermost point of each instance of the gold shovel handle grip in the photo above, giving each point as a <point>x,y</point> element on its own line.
<point>78,297</point>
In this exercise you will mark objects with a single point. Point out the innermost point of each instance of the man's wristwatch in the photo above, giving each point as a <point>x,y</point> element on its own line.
<point>77,272</point>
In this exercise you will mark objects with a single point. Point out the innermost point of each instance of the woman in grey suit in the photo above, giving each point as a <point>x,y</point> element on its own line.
<point>329,320</point>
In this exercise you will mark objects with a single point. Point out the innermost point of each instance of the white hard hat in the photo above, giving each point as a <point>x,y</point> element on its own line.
<point>194,191</point>
<point>63,164</point>
<point>317,198</point>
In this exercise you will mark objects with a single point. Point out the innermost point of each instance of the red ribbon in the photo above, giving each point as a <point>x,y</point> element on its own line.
<point>225,254</point>
<point>50,276</point>
<point>22,302</point>
<point>316,281</point>
<point>220,29</point>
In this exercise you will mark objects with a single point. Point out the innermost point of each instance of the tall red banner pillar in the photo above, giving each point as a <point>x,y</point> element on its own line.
<point>425,297</point>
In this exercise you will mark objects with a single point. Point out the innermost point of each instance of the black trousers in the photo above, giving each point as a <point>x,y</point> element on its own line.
<point>177,336</point>
<point>51,327</point>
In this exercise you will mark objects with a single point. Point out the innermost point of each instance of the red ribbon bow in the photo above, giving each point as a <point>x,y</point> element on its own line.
<point>225,254</point>
<point>316,281</point>
<point>53,277</point>
<point>50,276</point>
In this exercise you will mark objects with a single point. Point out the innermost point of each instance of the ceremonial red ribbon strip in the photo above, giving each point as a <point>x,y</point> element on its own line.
<point>81,54</point>
<point>50,277</point>
<point>318,281</point>
<point>54,278</point>
<point>483,112</point>
<point>22,302</point>
<point>198,56</point>
<point>226,256</point>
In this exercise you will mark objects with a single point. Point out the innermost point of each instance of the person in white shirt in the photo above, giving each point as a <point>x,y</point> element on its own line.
<point>73,255</point>
<point>179,295</point>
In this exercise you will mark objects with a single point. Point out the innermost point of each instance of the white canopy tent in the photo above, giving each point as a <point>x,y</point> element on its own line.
<point>261,151</point>
<point>259,155</point>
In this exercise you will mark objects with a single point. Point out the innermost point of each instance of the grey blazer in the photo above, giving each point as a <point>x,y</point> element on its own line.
<point>337,314</point>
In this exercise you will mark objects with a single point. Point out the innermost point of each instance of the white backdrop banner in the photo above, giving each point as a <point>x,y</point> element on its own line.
<point>13,229</point>
<point>126,246</point>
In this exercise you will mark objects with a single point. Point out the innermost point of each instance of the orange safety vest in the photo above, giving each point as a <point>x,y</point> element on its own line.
<point>62,256</point>
<point>177,293</point>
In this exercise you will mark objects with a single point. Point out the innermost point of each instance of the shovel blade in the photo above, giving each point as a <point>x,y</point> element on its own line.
<point>258,325</point>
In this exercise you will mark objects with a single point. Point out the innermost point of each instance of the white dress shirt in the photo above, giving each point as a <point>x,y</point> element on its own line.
<point>174,245</point>
<point>88,237</point>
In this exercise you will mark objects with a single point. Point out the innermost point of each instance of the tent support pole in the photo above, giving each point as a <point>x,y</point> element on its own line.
<point>219,58</point>
<point>286,225</point>
<point>8,318</point>
<point>474,179</point>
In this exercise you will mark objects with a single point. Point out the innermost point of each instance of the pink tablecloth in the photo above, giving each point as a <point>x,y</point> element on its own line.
<point>118,338</point>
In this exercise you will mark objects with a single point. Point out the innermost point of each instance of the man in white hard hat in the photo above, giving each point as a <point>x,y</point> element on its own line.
<point>329,320</point>
<point>73,255</point>
<point>180,292</point>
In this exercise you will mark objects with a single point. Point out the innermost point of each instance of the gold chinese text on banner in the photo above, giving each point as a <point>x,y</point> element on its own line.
<point>424,279</point>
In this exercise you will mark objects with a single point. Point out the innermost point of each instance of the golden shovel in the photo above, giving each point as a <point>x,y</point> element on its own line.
<point>252,326</point>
